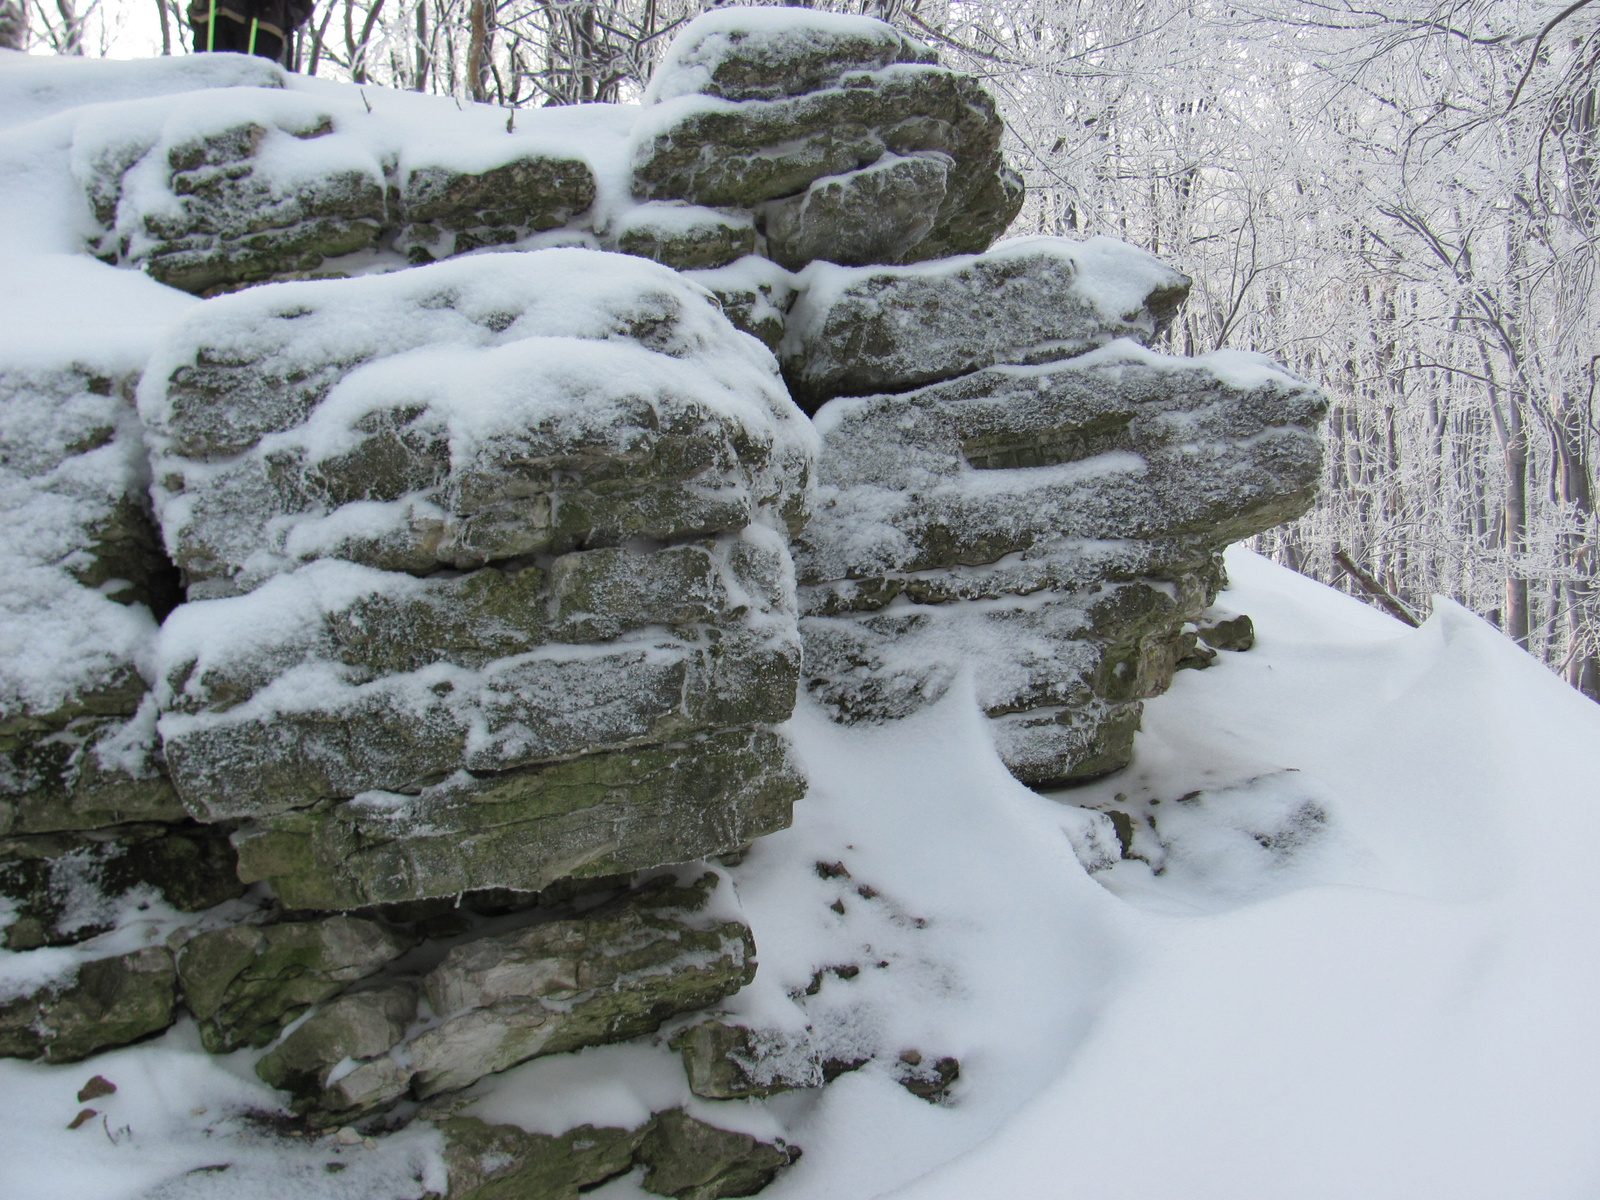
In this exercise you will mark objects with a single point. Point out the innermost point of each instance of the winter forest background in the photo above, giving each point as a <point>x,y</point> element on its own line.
<point>1400,202</point>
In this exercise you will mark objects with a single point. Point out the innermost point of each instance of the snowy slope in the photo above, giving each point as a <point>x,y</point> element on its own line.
<point>1366,969</point>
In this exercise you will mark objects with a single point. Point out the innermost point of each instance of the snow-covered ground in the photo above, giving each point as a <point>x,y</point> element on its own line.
<point>1365,969</point>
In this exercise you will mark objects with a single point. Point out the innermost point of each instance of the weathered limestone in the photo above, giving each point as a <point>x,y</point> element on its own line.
<point>390,738</point>
<point>683,1158</point>
<point>91,773</point>
<point>488,601</point>
<point>901,159</point>
<point>877,214</point>
<point>853,332</point>
<point>226,191</point>
<point>337,1062</point>
<point>564,978</point>
<point>608,975</point>
<point>492,1162</point>
<point>446,210</point>
<point>106,1002</point>
<point>273,448</point>
<point>691,1160</point>
<point>237,187</point>
<point>369,680</point>
<point>685,237</point>
<point>66,887</point>
<point>600,814</point>
<point>1117,444</point>
<point>1053,528</point>
<point>244,983</point>
<point>732,1062</point>
<point>84,570</point>
<point>755,294</point>
<point>749,55</point>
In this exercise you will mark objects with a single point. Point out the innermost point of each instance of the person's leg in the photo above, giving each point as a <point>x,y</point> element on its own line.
<point>264,43</point>
<point>230,35</point>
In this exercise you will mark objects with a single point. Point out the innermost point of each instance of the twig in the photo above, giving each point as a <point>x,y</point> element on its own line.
<point>1392,603</point>
<point>1538,43</point>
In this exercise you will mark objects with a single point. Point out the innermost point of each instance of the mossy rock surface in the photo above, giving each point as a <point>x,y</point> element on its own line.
<point>690,1159</point>
<point>885,329</point>
<point>536,192</point>
<point>878,214</point>
<point>607,975</point>
<point>374,624</point>
<point>244,983</point>
<point>726,1061</point>
<point>405,733</point>
<point>685,237</point>
<point>502,1162</point>
<point>746,154</point>
<point>382,446</point>
<point>600,814</point>
<point>60,780</point>
<point>683,1157</point>
<point>727,55</point>
<point>445,211</point>
<point>67,887</point>
<point>238,203</point>
<point>107,1002</point>
<point>336,1063</point>
<point>1104,446</point>
<point>1051,529</point>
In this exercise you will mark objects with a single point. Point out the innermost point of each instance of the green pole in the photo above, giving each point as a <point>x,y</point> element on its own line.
<point>211,29</point>
<point>254,21</point>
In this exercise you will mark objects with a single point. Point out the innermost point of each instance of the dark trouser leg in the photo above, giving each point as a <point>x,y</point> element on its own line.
<point>234,36</point>
<point>268,45</point>
<point>231,35</point>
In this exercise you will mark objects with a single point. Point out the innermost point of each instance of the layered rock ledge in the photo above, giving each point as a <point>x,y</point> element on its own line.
<point>398,644</point>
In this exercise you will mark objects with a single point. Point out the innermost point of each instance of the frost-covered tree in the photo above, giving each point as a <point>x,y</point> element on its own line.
<point>1401,206</point>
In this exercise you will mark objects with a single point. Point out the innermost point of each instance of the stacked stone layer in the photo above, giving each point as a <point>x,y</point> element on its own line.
<point>389,736</point>
<point>1049,517</point>
<point>485,585</point>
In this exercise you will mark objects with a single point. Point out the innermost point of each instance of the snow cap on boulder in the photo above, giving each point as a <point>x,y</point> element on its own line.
<point>740,53</point>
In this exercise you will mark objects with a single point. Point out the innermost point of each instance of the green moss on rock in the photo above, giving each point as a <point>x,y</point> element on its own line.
<point>60,780</point>
<point>336,1063</point>
<point>66,887</point>
<point>686,238</point>
<point>245,982</point>
<point>601,814</point>
<point>607,975</point>
<point>691,1160</point>
<point>502,1162</point>
<point>683,1157</point>
<point>746,154</point>
<point>446,211</point>
<point>106,1002</point>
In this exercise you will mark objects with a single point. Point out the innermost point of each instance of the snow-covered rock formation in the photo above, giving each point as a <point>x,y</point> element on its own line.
<point>446,575</point>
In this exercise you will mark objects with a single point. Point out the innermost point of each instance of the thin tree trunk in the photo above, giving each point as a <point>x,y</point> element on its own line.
<point>318,36</point>
<point>419,80</point>
<point>1514,453</point>
<point>1575,493</point>
<point>358,57</point>
<point>477,48</point>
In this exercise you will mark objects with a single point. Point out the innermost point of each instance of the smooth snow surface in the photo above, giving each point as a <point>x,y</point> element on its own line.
<point>1365,969</point>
